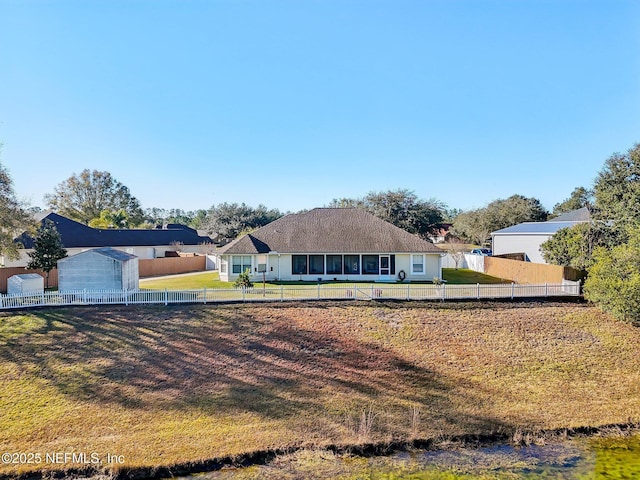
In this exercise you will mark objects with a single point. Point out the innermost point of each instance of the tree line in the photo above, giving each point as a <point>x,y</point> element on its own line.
<point>608,247</point>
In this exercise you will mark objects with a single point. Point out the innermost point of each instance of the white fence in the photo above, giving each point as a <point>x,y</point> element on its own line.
<point>472,262</point>
<point>292,293</point>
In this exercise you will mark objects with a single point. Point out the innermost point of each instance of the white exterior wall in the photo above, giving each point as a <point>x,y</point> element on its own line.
<point>279,267</point>
<point>25,284</point>
<point>514,243</point>
<point>93,271</point>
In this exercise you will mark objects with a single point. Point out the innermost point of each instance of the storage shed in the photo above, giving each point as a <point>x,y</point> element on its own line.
<point>98,269</point>
<point>25,284</point>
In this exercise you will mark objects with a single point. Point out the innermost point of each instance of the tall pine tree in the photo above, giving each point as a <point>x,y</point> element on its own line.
<point>47,249</point>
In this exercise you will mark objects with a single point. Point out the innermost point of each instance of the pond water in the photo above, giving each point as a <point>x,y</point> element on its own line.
<point>615,457</point>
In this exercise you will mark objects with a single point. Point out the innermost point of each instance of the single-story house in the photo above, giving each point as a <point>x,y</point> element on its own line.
<point>439,235</point>
<point>527,237</point>
<point>331,244</point>
<point>98,269</point>
<point>143,243</point>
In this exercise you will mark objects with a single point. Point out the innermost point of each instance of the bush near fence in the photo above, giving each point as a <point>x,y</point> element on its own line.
<point>146,268</point>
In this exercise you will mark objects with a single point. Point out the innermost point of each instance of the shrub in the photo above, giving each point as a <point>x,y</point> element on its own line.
<point>614,279</point>
<point>243,280</point>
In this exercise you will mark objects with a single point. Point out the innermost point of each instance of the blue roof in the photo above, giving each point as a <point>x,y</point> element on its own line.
<point>535,228</point>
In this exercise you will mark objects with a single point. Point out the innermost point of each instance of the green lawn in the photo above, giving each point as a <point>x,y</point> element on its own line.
<point>463,276</point>
<point>186,282</point>
<point>212,280</point>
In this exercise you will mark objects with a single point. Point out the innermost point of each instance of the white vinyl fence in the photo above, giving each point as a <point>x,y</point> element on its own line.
<point>292,293</point>
<point>472,262</point>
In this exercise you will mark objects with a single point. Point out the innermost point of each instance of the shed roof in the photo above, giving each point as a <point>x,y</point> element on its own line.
<point>329,230</point>
<point>109,252</point>
<point>26,276</point>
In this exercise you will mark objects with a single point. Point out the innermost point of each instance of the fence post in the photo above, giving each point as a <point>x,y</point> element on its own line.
<point>408,291</point>
<point>244,294</point>
<point>444,291</point>
<point>84,296</point>
<point>166,297</point>
<point>546,290</point>
<point>281,292</point>
<point>205,295</point>
<point>1,301</point>
<point>513,289</point>
<point>125,293</point>
<point>478,295</point>
<point>318,290</point>
<point>355,291</point>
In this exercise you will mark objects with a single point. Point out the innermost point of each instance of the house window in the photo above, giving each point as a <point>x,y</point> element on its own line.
<point>352,264</point>
<point>370,265</point>
<point>223,266</point>
<point>334,264</point>
<point>316,264</point>
<point>239,263</point>
<point>417,263</point>
<point>299,264</point>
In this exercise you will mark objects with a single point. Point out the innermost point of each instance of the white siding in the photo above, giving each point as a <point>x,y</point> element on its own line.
<point>517,243</point>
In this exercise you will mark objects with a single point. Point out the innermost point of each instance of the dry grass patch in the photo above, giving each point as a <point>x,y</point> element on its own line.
<point>165,385</point>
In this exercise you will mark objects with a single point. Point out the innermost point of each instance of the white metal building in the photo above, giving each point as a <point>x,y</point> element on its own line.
<point>25,284</point>
<point>528,236</point>
<point>98,269</point>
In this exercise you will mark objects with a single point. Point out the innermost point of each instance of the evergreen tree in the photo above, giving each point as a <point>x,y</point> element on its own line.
<point>47,249</point>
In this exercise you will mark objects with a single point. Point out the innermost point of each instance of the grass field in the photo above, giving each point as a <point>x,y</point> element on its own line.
<point>166,385</point>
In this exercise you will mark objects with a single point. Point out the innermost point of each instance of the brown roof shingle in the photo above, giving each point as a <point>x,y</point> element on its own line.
<point>330,230</point>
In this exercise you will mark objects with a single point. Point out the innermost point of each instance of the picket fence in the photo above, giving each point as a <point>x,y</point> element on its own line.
<point>292,293</point>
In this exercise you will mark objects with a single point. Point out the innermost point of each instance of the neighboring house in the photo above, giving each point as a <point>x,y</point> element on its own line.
<point>527,237</point>
<point>440,233</point>
<point>331,244</point>
<point>143,243</point>
<point>98,269</point>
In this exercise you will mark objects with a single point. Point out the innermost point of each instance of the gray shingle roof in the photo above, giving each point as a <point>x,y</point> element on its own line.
<point>580,215</point>
<point>329,230</point>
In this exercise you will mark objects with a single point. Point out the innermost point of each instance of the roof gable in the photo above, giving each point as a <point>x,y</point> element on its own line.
<point>329,230</point>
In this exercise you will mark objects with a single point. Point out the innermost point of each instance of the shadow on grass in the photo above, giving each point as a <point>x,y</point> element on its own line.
<point>229,361</point>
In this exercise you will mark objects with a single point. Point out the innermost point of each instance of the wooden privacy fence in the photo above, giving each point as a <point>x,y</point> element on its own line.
<point>527,272</point>
<point>5,273</point>
<point>293,293</point>
<point>146,268</point>
<point>171,265</point>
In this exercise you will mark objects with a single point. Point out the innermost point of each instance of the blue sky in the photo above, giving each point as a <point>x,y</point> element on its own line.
<point>293,103</point>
